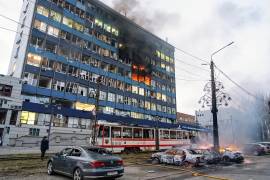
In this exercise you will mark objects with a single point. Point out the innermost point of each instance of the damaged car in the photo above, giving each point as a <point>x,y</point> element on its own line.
<point>180,157</point>
<point>210,156</point>
<point>232,156</point>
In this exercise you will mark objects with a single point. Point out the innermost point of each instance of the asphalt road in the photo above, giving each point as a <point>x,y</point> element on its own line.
<point>254,168</point>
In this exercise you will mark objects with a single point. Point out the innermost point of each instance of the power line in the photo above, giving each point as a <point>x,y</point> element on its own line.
<point>13,31</point>
<point>239,86</point>
<point>192,65</point>
<point>191,55</point>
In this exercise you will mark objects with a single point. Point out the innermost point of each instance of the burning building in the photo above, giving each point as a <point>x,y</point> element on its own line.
<point>64,46</point>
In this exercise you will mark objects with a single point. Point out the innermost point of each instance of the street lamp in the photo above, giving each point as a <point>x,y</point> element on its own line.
<point>214,109</point>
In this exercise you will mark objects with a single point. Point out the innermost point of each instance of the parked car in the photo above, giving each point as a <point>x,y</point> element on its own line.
<point>254,149</point>
<point>210,156</point>
<point>267,146</point>
<point>86,162</point>
<point>232,156</point>
<point>178,156</point>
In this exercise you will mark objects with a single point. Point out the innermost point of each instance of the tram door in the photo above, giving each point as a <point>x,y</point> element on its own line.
<point>1,136</point>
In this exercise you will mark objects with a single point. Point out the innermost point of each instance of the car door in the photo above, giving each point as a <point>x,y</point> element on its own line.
<point>72,160</point>
<point>60,162</point>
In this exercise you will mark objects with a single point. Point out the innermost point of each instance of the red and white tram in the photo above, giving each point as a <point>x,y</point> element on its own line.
<point>121,138</point>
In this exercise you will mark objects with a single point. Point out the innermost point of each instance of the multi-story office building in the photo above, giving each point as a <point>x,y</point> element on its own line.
<point>64,46</point>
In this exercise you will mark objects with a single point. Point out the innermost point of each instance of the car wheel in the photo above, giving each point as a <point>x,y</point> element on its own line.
<point>186,164</point>
<point>155,161</point>
<point>50,170</point>
<point>77,174</point>
<point>226,159</point>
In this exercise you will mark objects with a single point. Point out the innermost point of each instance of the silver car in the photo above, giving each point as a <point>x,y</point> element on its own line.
<point>86,162</point>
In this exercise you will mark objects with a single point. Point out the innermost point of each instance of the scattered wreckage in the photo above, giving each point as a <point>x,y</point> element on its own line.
<point>195,156</point>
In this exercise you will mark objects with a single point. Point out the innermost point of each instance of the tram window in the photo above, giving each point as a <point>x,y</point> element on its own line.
<point>100,130</point>
<point>179,135</point>
<point>185,135</point>
<point>137,133</point>
<point>172,134</point>
<point>116,132</point>
<point>106,131</point>
<point>127,133</point>
<point>148,133</point>
<point>165,134</point>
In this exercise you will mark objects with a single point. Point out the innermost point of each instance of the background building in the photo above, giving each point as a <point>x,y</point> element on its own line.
<point>64,46</point>
<point>186,118</point>
<point>10,107</point>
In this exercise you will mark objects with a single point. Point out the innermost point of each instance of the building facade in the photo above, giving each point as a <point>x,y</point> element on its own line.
<point>10,107</point>
<point>185,118</point>
<point>64,46</point>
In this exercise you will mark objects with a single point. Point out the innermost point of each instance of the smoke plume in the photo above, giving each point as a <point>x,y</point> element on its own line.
<point>151,20</point>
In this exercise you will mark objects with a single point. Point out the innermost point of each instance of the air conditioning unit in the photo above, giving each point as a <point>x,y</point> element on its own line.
<point>59,116</point>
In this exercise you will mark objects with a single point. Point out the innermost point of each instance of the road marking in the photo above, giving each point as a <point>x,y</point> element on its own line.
<point>193,173</point>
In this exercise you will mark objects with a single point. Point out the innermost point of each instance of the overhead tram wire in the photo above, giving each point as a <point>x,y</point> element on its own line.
<point>191,55</point>
<point>239,86</point>
<point>188,72</point>
<point>192,65</point>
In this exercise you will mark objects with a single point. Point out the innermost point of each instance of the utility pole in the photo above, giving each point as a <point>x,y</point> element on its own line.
<point>214,109</point>
<point>157,134</point>
<point>94,127</point>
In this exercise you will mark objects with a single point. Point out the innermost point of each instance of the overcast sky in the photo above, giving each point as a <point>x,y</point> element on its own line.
<point>200,28</point>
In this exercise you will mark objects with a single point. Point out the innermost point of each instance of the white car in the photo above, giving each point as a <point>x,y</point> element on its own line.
<point>178,156</point>
<point>233,156</point>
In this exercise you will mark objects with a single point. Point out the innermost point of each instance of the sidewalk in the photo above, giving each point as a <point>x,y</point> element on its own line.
<point>7,150</point>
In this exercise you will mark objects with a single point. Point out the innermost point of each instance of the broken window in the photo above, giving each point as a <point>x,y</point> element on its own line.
<point>5,90</point>
<point>92,93</point>
<point>34,59</point>
<point>153,107</point>
<point>82,90</point>
<point>63,51</point>
<point>58,85</point>
<point>102,96</point>
<point>53,31</point>
<point>65,35</point>
<point>45,82</point>
<point>30,79</point>
<point>42,10</point>
<point>51,47</point>
<point>135,89</point>
<point>72,87</point>
<point>37,41</point>
<point>86,59</point>
<point>73,71</point>
<point>40,25</point>
<point>104,66</point>
<point>119,99</point>
<point>147,105</point>
<point>134,102</point>
<point>55,16</point>
<point>75,55</point>
<point>67,21</point>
